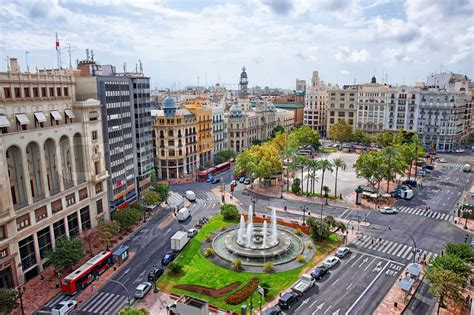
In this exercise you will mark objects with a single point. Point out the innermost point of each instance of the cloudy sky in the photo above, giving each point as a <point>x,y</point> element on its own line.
<point>277,40</point>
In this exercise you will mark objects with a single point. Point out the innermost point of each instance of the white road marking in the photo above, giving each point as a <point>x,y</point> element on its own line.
<point>350,285</point>
<point>336,312</point>
<point>390,244</point>
<point>320,306</point>
<point>327,309</point>
<point>357,260</point>
<point>311,305</point>
<point>334,282</point>
<point>342,215</point>
<point>370,263</point>
<point>364,261</point>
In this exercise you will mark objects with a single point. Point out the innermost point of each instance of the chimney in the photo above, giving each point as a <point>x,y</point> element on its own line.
<point>14,67</point>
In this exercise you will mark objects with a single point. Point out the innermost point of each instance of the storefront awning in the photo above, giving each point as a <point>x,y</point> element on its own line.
<point>69,113</point>
<point>22,119</point>
<point>56,115</point>
<point>40,117</point>
<point>4,122</point>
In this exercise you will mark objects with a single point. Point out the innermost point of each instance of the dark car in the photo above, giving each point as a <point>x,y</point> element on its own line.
<point>319,272</point>
<point>428,167</point>
<point>274,310</point>
<point>167,258</point>
<point>287,300</point>
<point>215,180</point>
<point>155,273</point>
<point>409,182</point>
<point>242,179</point>
<point>395,194</point>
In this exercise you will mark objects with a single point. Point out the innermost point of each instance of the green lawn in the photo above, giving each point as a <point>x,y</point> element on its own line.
<point>198,270</point>
<point>328,150</point>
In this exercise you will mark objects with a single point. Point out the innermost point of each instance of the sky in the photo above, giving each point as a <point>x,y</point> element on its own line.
<point>188,42</point>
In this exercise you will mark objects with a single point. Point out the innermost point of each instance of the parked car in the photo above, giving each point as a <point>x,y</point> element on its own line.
<point>192,232</point>
<point>442,160</point>
<point>287,300</point>
<point>395,193</point>
<point>274,310</point>
<point>331,261</point>
<point>142,289</point>
<point>428,167</point>
<point>155,273</point>
<point>421,173</point>
<point>304,283</point>
<point>64,307</point>
<point>210,179</point>
<point>410,182</point>
<point>167,258</point>
<point>426,170</point>
<point>319,272</point>
<point>404,187</point>
<point>190,195</point>
<point>242,179</point>
<point>459,151</point>
<point>342,252</point>
<point>388,210</point>
<point>215,180</point>
<point>466,168</point>
<point>247,181</point>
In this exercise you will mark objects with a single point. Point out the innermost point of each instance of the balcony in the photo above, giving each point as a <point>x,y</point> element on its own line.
<point>99,177</point>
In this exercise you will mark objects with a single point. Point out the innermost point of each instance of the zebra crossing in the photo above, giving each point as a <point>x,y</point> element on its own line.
<point>455,166</point>
<point>104,303</point>
<point>426,213</point>
<point>206,195</point>
<point>239,187</point>
<point>175,199</point>
<point>58,298</point>
<point>393,248</point>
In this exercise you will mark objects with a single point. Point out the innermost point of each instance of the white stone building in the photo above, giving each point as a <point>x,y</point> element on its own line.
<point>372,101</point>
<point>402,108</point>
<point>315,105</point>
<point>219,128</point>
<point>285,118</point>
<point>52,171</point>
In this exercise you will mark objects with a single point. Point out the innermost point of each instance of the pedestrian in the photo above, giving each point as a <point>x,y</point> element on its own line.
<point>286,208</point>
<point>380,240</point>
<point>352,229</point>
<point>372,241</point>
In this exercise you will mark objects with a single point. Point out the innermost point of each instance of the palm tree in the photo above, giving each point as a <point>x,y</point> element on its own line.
<point>287,154</point>
<point>302,161</point>
<point>324,165</point>
<point>390,154</point>
<point>326,192</point>
<point>338,163</point>
<point>313,166</point>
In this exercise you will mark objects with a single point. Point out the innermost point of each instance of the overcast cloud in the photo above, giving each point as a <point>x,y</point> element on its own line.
<point>181,42</point>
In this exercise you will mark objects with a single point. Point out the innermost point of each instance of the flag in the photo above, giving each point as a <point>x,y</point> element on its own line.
<point>57,41</point>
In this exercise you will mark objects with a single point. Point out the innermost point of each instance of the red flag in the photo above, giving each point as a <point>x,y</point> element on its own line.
<point>57,41</point>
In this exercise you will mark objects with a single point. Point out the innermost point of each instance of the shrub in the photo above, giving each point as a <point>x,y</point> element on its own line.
<point>208,237</point>
<point>298,232</point>
<point>127,217</point>
<point>268,267</point>
<point>175,268</point>
<point>309,245</point>
<point>244,293</point>
<point>209,252</point>
<point>300,259</point>
<point>236,264</point>
<point>296,186</point>
<point>229,212</point>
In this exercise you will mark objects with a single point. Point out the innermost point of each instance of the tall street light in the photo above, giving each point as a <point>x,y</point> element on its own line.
<point>253,200</point>
<point>121,284</point>
<point>304,208</point>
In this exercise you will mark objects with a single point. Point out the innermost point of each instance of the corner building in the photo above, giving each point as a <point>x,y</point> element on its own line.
<point>52,173</point>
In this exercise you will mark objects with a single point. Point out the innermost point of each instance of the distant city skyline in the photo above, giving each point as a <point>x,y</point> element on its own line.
<point>183,43</point>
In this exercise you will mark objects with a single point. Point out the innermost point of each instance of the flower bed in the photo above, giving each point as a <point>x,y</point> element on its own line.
<point>303,228</point>
<point>244,293</point>
<point>208,291</point>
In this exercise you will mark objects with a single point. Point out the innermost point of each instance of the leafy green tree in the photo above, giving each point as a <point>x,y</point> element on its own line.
<point>229,212</point>
<point>151,198</point>
<point>223,156</point>
<point>175,268</point>
<point>264,169</point>
<point>446,285</point>
<point>288,154</point>
<point>338,163</point>
<point>315,230</point>
<point>163,190</point>
<point>303,135</point>
<point>404,137</point>
<point>334,225</point>
<point>8,298</point>
<point>394,164</point>
<point>257,142</point>
<point>295,187</point>
<point>360,136</point>
<point>340,131</point>
<point>127,217</point>
<point>324,166</point>
<point>129,310</point>
<point>461,250</point>
<point>108,231</point>
<point>276,130</point>
<point>383,138</point>
<point>302,162</point>
<point>452,263</point>
<point>67,253</point>
<point>313,166</point>
<point>368,166</point>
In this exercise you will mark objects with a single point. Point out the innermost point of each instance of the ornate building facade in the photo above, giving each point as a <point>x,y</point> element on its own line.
<point>52,171</point>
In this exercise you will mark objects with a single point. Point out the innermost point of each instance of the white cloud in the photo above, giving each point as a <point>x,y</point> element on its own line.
<point>344,53</point>
<point>344,72</point>
<point>396,30</point>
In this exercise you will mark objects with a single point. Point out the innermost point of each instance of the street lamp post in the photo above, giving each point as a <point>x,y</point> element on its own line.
<point>413,240</point>
<point>121,284</point>
<point>253,200</point>
<point>304,208</point>
<point>20,291</point>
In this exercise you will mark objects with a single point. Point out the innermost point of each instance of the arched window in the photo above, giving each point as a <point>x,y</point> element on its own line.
<point>33,159</point>
<point>66,161</point>
<point>51,166</point>
<point>16,176</point>
<point>79,158</point>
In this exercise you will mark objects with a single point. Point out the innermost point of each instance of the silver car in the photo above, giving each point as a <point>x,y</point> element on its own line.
<point>342,252</point>
<point>331,261</point>
<point>142,289</point>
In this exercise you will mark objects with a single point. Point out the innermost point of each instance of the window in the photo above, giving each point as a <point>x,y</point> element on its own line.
<point>35,92</point>
<point>73,224</point>
<point>66,91</point>
<point>27,252</point>
<point>70,199</point>
<point>94,135</point>
<point>3,232</point>
<point>58,91</point>
<point>51,92</point>
<point>99,206</point>
<point>98,188</point>
<point>26,91</point>
<point>44,241</point>
<point>41,213</point>
<point>23,222</point>
<point>59,229</point>
<point>3,252</point>
<point>82,194</point>
<point>85,218</point>
<point>43,92</point>
<point>57,206</point>
<point>17,92</point>
<point>7,92</point>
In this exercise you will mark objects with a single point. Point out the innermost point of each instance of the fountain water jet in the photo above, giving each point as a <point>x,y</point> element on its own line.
<point>264,244</point>
<point>274,227</point>
<point>241,232</point>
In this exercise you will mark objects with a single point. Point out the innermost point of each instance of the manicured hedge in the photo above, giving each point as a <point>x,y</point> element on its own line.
<point>243,294</point>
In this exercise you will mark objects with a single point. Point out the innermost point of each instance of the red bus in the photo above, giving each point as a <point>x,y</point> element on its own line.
<point>202,176</point>
<point>84,275</point>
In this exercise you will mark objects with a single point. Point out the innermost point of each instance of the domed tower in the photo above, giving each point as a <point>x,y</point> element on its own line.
<point>169,107</point>
<point>374,80</point>
<point>243,83</point>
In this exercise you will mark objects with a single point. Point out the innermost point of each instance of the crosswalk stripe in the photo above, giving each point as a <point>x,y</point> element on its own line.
<point>116,305</point>
<point>449,217</point>
<point>391,247</point>
<point>418,210</point>
<point>410,256</point>
<point>99,302</point>
<point>410,210</point>
<point>396,249</point>
<point>409,249</point>
<point>390,243</point>
<point>443,216</point>
<point>107,306</point>
<point>91,301</point>
<point>379,244</point>
<point>402,249</point>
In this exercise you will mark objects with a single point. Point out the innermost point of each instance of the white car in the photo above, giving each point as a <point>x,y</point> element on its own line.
<point>442,161</point>
<point>459,151</point>
<point>388,210</point>
<point>331,261</point>
<point>342,252</point>
<point>64,307</point>
<point>142,289</point>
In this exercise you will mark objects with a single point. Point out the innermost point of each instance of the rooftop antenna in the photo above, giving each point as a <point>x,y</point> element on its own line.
<point>136,68</point>
<point>92,55</point>
<point>58,52</point>
<point>124,67</point>
<point>69,53</point>
<point>87,53</point>
<point>141,66</point>
<point>26,57</point>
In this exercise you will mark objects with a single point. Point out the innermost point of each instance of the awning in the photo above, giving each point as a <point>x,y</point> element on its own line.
<point>4,122</point>
<point>414,269</point>
<point>69,113</point>
<point>406,284</point>
<point>22,119</point>
<point>56,115</point>
<point>40,117</point>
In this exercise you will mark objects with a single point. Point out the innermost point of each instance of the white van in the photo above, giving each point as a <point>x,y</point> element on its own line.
<point>190,195</point>
<point>466,168</point>
<point>183,214</point>
<point>406,194</point>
